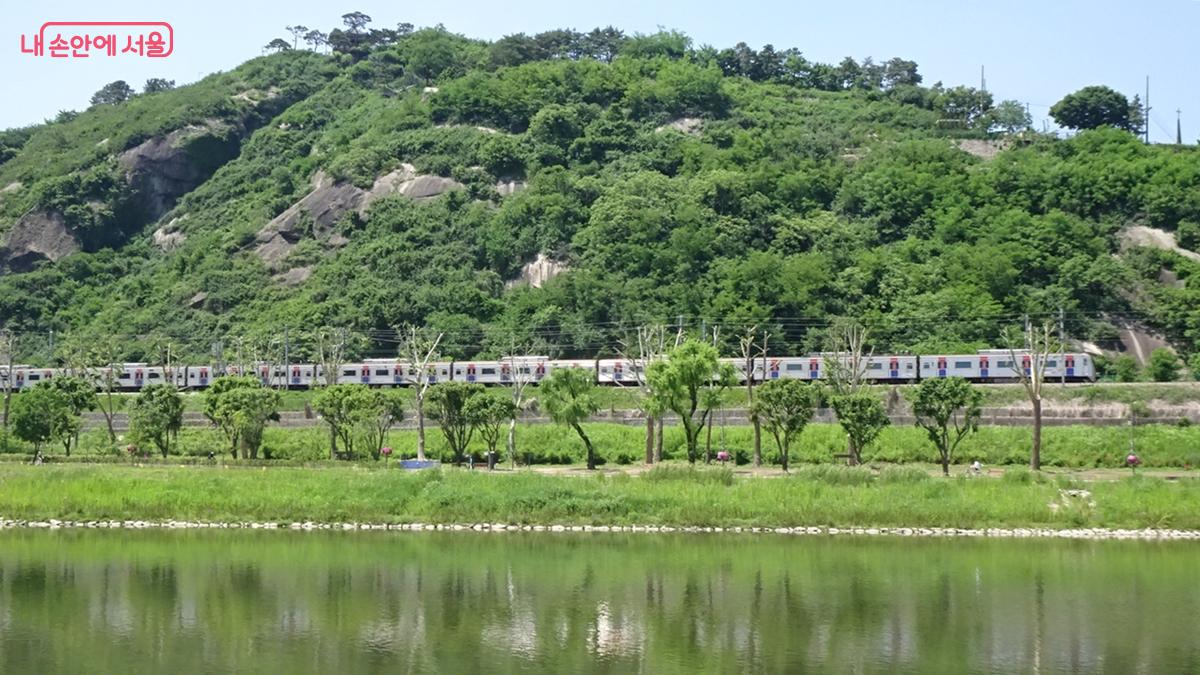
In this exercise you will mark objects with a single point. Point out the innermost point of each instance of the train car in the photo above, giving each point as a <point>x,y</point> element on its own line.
<point>527,369</point>
<point>619,372</point>
<point>997,366</point>
<point>480,372</point>
<point>559,364</point>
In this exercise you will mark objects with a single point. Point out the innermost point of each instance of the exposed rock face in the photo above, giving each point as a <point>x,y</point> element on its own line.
<point>11,187</point>
<point>294,276</point>
<point>318,212</point>
<point>509,187</point>
<point>538,272</point>
<point>164,168</point>
<point>687,125</point>
<point>168,237</point>
<point>37,236</point>
<point>1140,235</point>
<point>983,149</point>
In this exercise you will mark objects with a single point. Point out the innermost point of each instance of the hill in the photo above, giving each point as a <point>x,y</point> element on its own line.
<point>421,176</point>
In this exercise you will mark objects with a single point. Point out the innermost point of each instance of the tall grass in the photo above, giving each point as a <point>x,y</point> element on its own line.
<point>831,496</point>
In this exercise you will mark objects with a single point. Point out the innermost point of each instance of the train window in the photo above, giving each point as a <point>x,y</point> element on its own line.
<point>349,372</point>
<point>795,366</point>
<point>487,371</point>
<point>875,366</point>
<point>33,377</point>
<point>1004,364</point>
<point>524,371</point>
<point>123,376</point>
<point>962,364</point>
<point>382,372</point>
<point>308,373</point>
<point>154,376</point>
<point>1052,363</point>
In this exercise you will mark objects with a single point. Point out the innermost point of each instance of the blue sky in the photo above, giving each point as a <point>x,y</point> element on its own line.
<point>1034,51</point>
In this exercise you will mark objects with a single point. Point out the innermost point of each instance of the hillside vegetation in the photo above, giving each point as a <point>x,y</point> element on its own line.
<point>411,180</point>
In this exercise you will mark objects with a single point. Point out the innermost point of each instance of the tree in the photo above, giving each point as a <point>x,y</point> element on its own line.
<point>219,416</point>
<point>113,93</point>
<point>156,416</point>
<point>569,397</point>
<point>1187,234</point>
<point>488,413</point>
<point>1009,117</point>
<point>448,402</point>
<point>678,382</point>
<point>638,353</point>
<point>297,33</point>
<point>277,45</point>
<point>248,409</point>
<point>522,372</point>
<point>965,105</point>
<point>785,407</point>
<point>316,39</point>
<point>1092,107</point>
<point>1125,368</point>
<point>862,417</point>
<point>355,21</point>
<point>1163,365</point>
<point>1194,365</point>
<point>342,406</point>
<point>750,352</point>
<point>157,84</point>
<point>430,52</point>
<point>42,414</point>
<point>78,395</point>
<point>1030,367</point>
<point>8,343</point>
<point>847,357</point>
<point>384,408</point>
<point>419,349</point>
<point>948,409</point>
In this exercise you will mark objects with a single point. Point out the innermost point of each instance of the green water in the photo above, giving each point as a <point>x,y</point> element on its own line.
<point>391,602</point>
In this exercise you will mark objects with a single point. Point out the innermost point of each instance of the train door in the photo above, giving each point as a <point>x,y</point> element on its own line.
<point>203,377</point>
<point>983,366</point>
<point>505,372</point>
<point>364,374</point>
<point>774,372</point>
<point>1025,363</point>
<point>540,371</point>
<point>295,376</point>
<point>941,366</point>
<point>471,372</point>
<point>397,373</point>
<point>264,374</point>
<point>894,368</point>
<point>20,379</point>
<point>139,377</point>
<point>1069,362</point>
<point>618,369</point>
<point>814,369</point>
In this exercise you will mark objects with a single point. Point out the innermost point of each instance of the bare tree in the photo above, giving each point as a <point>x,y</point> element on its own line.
<point>522,367</point>
<point>297,33</point>
<point>419,349</point>
<point>847,357</point>
<point>647,345</point>
<point>751,350</point>
<point>1030,367</point>
<point>330,346</point>
<point>8,343</point>
<point>103,357</point>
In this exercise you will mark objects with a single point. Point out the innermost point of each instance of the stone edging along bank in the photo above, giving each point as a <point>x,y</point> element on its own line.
<point>945,532</point>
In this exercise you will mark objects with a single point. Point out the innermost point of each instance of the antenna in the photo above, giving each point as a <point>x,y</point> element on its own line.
<point>1178,127</point>
<point>982,79</point>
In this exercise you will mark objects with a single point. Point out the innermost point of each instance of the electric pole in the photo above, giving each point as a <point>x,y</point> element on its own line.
<point>1062,345</point>
<point>1146,114</point>
<point>1178,127</point>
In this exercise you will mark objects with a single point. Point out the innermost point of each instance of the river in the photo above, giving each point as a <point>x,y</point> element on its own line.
<point>182,602</point>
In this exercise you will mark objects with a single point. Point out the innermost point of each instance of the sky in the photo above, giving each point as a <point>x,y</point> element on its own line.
<point>1033,51</point>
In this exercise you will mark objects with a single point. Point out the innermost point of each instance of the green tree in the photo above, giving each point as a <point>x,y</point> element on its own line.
<point>1187,234</point>
<point>42,414</point>
<point>1194,365</point>
<point>1009,117</point>
<point>156,416</point>
<point>862,417</point>
<point>568,395</point>
<point>680,383</point>
<point>1163,365</point>
<point>1092,107</point>
<point>79,396</point>
<point>784,408</point>
<point>1125,368</point>
<point>248,409</point>
<point>489,413</point>
<point>343,407</point>
<point>948,409</point>
<point>277,45</point>
<point>383,410</point>
<point>113,93</point>
<point>157,84</point>
<point>448,406</point>
<point>221,417</point>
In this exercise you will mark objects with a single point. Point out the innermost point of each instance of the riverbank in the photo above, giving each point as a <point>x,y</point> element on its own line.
<point>822,497</point>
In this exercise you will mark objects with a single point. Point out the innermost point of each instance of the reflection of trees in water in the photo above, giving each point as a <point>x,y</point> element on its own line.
<point>475,603</point>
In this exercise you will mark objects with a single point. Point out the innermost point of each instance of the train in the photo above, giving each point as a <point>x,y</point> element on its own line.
<point>986,366</point>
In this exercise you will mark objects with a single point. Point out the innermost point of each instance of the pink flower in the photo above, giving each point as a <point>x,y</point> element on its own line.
<point>1132,460</point>
<point>385,451</point>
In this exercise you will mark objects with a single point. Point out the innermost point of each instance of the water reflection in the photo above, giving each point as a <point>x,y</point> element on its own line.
<point>206,602</point>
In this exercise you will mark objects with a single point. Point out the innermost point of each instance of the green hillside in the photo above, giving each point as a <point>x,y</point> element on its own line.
<point>410,178</point>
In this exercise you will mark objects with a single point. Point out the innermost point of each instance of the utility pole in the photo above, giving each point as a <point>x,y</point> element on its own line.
<point>982,80</point>
<point>1146,114</point>
<point>1178,127</point>
<point>1062,345</point>
<point>287,361</point>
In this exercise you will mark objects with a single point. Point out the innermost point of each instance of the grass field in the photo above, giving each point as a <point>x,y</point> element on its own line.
<point>828,496</point>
